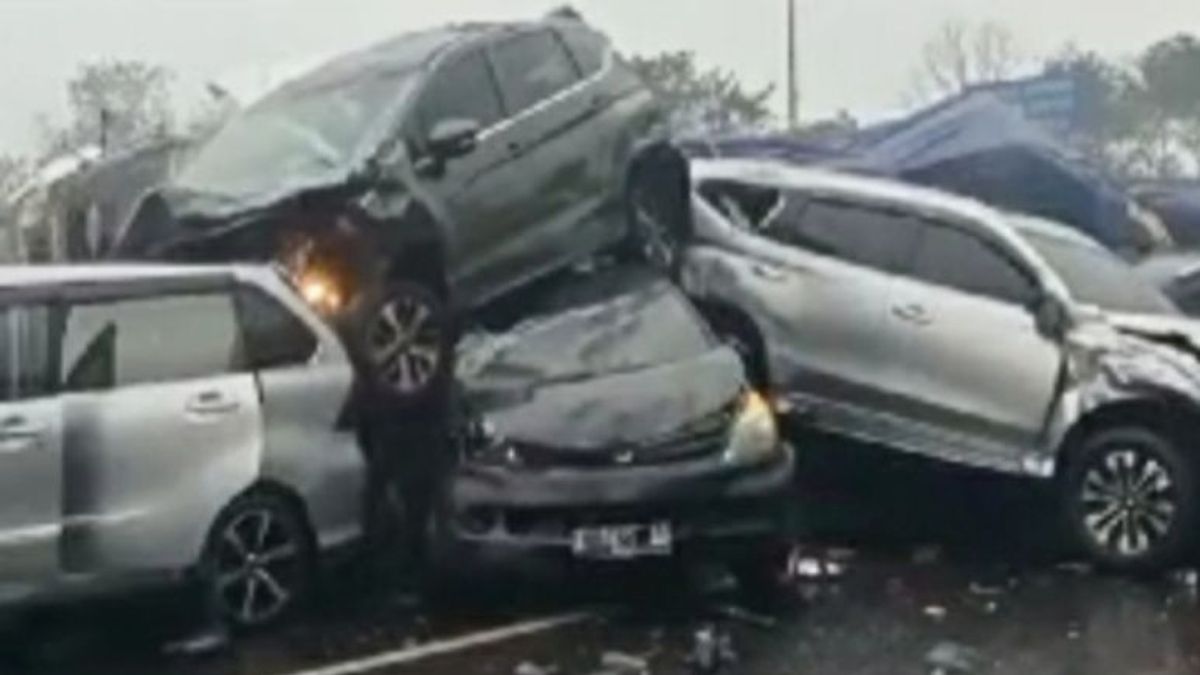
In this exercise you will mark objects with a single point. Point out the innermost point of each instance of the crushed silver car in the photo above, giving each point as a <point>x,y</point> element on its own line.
<point>614,427</point>
<point>159,423</point>
<point>939,326</point>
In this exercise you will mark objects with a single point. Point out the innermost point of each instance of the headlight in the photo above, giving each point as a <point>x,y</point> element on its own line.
<point>320,291</point>
<point>755,436</point>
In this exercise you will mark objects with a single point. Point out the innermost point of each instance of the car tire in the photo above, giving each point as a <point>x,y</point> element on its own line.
<point>653,237</point>
<point>1130,499</point>
<point>403,341</point>
<point>259,562</point>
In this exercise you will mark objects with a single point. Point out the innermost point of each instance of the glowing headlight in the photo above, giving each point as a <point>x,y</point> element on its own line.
<point>755,437</point>
<point>319,291</point>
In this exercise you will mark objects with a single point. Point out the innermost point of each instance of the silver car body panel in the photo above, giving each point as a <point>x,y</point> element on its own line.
<point>126,482</point>
<point>975,382</point>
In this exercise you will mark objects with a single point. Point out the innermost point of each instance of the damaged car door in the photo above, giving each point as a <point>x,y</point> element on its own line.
<point>163,423</point>
<point>977,374</point>
<point>30,449</point>
<point>477,187</point>
<point>827,286</point>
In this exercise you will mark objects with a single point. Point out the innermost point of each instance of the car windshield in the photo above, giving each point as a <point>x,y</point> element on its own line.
<point>295,137</point>
<point>621,334</point>
<point>1096,277</point>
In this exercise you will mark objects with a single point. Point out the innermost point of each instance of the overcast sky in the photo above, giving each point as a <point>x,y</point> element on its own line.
<point>857,55</point>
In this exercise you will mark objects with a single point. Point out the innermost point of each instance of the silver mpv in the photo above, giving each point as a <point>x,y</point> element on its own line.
<point>158,421</point>
<point>939,326</point>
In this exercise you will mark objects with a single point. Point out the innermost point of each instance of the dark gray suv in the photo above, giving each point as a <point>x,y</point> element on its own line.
<point>417,178</point>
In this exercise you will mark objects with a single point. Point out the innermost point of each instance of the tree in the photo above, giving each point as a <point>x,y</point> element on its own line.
<point>115,104</point>
<point>711,99</point>
<point>961,55</point>
<point>14,171</point>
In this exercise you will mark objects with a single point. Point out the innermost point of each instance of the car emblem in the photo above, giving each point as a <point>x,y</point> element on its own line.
<point>623,457</point>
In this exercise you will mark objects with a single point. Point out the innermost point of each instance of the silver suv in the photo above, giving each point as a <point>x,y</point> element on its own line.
<point>156,421</point>
<point>939,326</point>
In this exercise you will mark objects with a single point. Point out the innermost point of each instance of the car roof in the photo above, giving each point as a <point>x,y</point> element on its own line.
<point>25,276</point>
<point>413,49</point>
<point>814,179</point>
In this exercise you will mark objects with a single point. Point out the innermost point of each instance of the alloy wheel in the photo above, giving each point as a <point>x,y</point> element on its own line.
<point>405,344</point>
<point>658,244</point>
<point>258,564</point>
<point>1129,502</point>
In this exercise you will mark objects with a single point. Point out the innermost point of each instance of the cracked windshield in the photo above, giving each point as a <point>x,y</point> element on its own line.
<point>600,337</point>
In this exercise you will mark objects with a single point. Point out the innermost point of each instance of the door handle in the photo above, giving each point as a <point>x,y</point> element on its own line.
<point>515,148</point>
<point>913,313</point>
<point>211,403</point>
<point>19,427</point>
<point>768,272</point>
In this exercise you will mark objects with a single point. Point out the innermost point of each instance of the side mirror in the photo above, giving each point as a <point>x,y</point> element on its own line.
<point>1050,315</point>
<point>453,138</point>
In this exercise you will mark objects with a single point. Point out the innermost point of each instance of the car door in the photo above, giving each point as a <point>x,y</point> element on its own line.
<point>163,426</point>
<point>477,191</point>
<point>30,449</point>
<point>306,389</point>
<point>549,106</point>
<point>977,373</point>
<point>819,279</point>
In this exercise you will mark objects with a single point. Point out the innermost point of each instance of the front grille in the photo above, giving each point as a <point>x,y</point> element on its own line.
<point>703,438</point>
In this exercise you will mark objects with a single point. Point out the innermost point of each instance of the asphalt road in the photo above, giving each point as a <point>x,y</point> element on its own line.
<point>932,569</point>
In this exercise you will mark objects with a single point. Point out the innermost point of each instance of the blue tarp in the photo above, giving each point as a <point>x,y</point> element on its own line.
<point>975,145</point>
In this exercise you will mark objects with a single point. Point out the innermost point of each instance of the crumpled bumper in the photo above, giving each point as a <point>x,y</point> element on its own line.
<point>706,501</point>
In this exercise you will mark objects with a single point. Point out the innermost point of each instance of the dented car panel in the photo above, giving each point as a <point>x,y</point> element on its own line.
<point>619,409</point>
<point>149,446</point>
<point>870,351</point>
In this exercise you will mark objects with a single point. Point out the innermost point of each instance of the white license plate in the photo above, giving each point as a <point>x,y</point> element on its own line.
<point>623,542</point>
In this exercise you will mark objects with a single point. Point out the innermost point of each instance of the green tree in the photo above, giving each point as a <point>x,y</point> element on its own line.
<point>711,98</point>
<point>115,104</point>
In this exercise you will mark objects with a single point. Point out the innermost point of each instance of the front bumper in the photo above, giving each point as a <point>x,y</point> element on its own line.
<point>707,502</point>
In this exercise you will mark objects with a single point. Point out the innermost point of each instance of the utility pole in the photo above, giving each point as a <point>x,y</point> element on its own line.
<point>793,94</point>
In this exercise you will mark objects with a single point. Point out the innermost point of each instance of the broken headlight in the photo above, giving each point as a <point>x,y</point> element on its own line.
<point>755,435</point>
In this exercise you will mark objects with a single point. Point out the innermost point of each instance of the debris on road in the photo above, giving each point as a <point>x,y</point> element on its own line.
<point>529,668</point>
<point>712,650</point>
<point>205,642</point>
<point>619,663</point>
<point>935,612</point>
<point>951,658</point>
<point>746,616</point>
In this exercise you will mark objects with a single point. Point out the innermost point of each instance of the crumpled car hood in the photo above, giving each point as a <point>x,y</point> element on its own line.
<point>620,409</point>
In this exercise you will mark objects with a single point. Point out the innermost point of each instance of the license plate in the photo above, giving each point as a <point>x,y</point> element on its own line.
<point>623,542</point>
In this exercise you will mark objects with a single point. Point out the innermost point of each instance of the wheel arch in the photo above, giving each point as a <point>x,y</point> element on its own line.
<point>1169,413</point>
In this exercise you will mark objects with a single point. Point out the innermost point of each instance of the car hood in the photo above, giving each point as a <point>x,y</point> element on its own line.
<point>1177,331</point>
<point>604,411</point>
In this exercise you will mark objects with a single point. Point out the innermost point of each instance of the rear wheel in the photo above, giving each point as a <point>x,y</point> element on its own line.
<point>259,562</point>
<point>657,209</point>
<point>1130,499</point>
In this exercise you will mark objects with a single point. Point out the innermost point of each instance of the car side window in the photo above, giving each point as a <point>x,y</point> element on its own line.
<point>854,233</point>
<point>463,89</point>
<point>24,352</point>
<point>532,67</point>
<point>949,256</point>
<point>275,338</point>
<point>588,47</point>
<point>127,342</point>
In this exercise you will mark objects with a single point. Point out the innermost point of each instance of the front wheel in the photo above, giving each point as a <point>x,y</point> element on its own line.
<point>657,221</point>
<point>258,563</point>
<point>404,340</point>
<point>1130,499</point>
